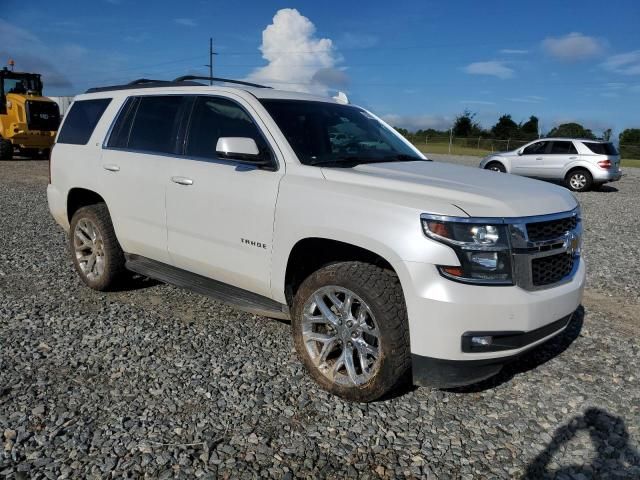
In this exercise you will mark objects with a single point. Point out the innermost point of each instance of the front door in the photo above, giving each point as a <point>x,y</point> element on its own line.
<point>530,163</point>
<point>220,212</point>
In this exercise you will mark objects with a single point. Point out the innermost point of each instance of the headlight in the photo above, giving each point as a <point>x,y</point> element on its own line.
<point>483,249</point>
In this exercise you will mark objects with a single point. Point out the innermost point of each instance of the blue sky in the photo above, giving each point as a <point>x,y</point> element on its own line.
<point>417,63</point>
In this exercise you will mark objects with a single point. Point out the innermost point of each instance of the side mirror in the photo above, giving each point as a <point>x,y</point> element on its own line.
<point>520,150</point>
<point>243,149</point>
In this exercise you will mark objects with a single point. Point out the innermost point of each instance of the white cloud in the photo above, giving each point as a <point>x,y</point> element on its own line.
<point>527,99</point>
<point>418,122</point>
<point>513,51</point>
<point>298,60</point>
<point>493,68</point>
<point>573,47</point>
<point>185,22</point>
<point>477,102</point>
<point>625,63</point>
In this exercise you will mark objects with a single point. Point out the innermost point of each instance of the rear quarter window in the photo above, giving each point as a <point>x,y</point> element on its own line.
<point>82,120</point>
<point>601,148</point>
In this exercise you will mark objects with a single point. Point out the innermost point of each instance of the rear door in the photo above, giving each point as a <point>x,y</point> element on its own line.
<point>559,154</point>
<point>220,212</point>
<point>134,172</point>
<point>530,163</point>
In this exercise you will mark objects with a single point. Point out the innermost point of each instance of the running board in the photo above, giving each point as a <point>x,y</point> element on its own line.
<point>234,296</point>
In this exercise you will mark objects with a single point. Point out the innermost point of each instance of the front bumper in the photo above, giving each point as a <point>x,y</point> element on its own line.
<point>441,312</point>
<point>441,373</point>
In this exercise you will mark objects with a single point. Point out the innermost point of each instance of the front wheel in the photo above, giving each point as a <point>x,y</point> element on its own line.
<point>496,167</point>
<point>350,329</point>
<point>579,180</point>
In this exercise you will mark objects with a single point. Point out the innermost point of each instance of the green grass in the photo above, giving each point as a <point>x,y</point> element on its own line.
<point>455,149</point>
<point>443,148</point>
<point>630,162</point>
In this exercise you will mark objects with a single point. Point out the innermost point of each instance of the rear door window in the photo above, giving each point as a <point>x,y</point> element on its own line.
<point>563,148</point>
<point>601,148</point>
<point>215,117</point>
<point>81,120</point>
<point>148,123</point>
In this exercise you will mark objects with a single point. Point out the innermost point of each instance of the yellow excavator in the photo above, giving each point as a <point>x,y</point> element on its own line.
<point>28,121</point>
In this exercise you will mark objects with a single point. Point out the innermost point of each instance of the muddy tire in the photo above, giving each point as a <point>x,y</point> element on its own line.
<point>350,330</point>
<point>96,253</point>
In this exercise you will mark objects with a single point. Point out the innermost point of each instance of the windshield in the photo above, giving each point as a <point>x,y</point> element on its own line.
<point>323,133</point>
<point>21,85</point>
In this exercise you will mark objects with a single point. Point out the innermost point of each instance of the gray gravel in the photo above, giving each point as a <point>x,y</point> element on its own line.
<point>160,383</point>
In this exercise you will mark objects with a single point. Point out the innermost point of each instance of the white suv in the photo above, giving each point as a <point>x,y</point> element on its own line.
<point>581,164</point>
<point>309,209</point>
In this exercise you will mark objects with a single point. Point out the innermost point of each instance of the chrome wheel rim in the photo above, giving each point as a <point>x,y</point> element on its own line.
<point>495,169</point>
<point>341,336</point>
<point>578,181</point>
<point>89,249</point>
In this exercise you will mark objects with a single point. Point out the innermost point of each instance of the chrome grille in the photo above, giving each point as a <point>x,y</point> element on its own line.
<point>546,249</point>
<point>540,231</point>
<point>551,269</point>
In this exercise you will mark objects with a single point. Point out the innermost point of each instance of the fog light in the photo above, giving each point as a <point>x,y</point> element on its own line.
<point>485,259</point>
<point>482,341</point>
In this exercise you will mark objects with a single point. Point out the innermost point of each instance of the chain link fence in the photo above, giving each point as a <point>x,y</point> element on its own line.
<point>483,146</point>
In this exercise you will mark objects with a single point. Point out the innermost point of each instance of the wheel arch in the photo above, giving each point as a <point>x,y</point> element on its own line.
<point>311,253</point>
<point>576,166</point>
<point>79,197</point>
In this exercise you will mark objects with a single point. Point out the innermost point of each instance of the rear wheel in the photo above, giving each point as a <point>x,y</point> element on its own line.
<point>6,149</point>
<point>96,253</point>
<point>350,330</point>
<point>496,167</point>
<point>579,180</point>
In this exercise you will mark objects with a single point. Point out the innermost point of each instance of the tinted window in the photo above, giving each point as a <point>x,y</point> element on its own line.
<point>601,148</point>
<point>119,137</point>
<point>329,133</point>
<point>559,148</point>
<point>213,118</point>
<point>154,127</point>
<point>537,148</point>
<point>82,120</point>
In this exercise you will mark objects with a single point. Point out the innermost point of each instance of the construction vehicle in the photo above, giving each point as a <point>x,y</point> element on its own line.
<point>28,121</point>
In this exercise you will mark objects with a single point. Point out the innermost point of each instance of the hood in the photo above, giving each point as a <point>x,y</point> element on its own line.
<point>479,193</point>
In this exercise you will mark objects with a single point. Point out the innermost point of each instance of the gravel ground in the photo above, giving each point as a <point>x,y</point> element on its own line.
<point>153,381</point>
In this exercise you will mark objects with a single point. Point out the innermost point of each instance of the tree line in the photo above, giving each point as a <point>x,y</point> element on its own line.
<point>466,126</point>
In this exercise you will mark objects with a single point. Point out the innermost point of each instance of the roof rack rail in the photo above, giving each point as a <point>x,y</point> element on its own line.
<point>144,80</point>
<point>217,79</point>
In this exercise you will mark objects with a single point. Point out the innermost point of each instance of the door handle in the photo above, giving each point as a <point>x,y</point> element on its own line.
<point>111,167</point>
<point>182,180</point>
<point>572,158</point>
<point>538,158</point>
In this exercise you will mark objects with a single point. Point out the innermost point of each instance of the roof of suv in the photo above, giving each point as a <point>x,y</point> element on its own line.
<point>148,86</point>
<point>568,139</point>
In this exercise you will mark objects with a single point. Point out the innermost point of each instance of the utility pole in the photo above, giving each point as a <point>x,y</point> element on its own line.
<point>210,64</point>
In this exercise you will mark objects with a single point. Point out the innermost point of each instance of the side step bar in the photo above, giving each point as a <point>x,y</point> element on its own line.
<point>234,296</point>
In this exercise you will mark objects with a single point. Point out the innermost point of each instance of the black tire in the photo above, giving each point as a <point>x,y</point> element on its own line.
<point>579,180</point>
<point>495,167</point>
<point>380,289</point>
<point>113,260</point>
<point>6,149</point>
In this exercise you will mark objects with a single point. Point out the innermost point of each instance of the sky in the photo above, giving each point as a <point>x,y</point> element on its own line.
<point>416,63</point>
